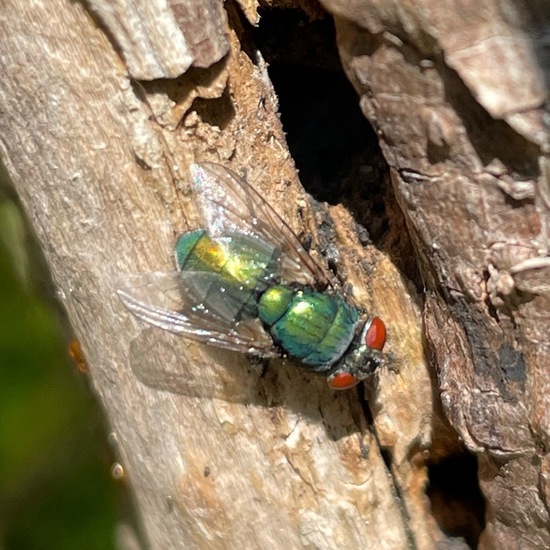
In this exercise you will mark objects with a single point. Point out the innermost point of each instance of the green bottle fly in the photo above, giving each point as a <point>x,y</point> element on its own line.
<point>244,282</point>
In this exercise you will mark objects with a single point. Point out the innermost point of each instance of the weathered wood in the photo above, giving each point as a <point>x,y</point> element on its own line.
<point>161,38</point>
<point>456,93</point>
<point>217,455</point>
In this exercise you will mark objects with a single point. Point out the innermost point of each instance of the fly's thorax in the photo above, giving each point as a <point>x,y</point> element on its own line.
<point>274,303</point>
<point>314,327</point>
<point>245,261</point>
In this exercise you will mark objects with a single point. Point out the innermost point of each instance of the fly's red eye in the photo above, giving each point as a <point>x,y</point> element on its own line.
<point>375,337</point>
<point>342,381</point>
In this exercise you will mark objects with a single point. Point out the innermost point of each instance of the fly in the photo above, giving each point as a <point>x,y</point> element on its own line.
<point>244,282</point>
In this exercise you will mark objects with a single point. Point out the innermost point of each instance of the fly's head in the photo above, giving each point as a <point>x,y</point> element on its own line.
<point>362,359</point>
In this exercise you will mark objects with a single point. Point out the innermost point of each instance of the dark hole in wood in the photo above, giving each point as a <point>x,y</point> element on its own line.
<point>457,503</point>
<point>333,145</point>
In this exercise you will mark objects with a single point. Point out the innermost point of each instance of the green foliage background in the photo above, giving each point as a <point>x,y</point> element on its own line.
<point>55,488</point>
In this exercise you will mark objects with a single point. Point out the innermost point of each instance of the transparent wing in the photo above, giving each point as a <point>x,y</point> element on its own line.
<point>176,312</point>
<point>217,298</point>
<point>229,205</point>
<point>157,360</point>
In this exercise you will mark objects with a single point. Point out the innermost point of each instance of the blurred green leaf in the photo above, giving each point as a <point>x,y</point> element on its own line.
<point>55,492</point>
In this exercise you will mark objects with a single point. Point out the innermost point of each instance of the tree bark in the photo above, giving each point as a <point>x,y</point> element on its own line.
<point>219,454</point>
<point>457,95</point>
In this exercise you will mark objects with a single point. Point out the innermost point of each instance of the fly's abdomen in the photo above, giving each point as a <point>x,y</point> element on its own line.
<point>245,260</point>
<point>225,275</point>
<point>313,327</point>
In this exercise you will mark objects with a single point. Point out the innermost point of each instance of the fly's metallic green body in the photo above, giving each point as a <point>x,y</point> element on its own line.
<point>311,326</point>
<point>315,328</point>
<point>244,282</point>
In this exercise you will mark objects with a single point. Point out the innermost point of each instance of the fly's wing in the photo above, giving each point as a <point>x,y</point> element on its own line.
<point>229,205</point>
<point>160,300</point>
<point>218,298</point>
<point>155,358</point>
